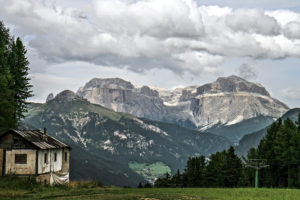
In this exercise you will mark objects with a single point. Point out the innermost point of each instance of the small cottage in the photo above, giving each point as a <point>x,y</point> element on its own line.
<point>34,153</point>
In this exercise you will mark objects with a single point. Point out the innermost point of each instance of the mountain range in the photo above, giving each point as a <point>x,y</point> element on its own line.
<point>115,144</point>
<point>123,134</point>
<point>222,107</point>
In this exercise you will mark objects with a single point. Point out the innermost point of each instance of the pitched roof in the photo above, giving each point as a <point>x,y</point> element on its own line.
<point>40,140</point>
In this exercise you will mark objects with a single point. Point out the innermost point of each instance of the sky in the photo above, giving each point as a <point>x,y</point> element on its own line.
<point>162,43</point>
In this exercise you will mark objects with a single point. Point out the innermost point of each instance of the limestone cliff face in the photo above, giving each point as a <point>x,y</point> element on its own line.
<point>122,96</point>
<point>231,100</point>
<point>227,101</point>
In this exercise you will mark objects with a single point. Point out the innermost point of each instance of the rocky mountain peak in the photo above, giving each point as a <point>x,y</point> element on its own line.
<point>232,84</point>
<point>227,101</point>
<point>148,91</point>
<point>113,83</point>
<point>66,96</point>
<point>50,97</point>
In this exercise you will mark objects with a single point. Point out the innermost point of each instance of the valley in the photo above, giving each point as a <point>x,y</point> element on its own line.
<point>129,134</point>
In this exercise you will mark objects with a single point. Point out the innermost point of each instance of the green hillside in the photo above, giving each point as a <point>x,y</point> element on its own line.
<point>105,142</point>
<point>253,139</point>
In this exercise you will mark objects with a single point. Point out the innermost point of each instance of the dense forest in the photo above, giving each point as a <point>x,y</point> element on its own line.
<point>14,81</point>
<point>278,152</point>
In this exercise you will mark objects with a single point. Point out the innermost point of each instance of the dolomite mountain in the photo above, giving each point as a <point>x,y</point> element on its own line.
<point>106,145</point>
<point>226,102</point>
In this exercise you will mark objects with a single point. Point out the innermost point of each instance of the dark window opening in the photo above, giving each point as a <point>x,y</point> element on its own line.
<point>45,158</point>
<point>20,158</point>
<point>55,156</point>
<point>66,156</point>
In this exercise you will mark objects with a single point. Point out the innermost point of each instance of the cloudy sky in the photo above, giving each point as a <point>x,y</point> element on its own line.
<point>164,43</point>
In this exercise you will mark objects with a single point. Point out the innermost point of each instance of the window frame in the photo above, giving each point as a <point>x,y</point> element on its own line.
<point>21,159</point>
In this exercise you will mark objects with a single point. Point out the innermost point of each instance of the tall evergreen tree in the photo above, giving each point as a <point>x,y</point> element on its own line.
<point>233,168</point>
<point>7,108</point>
<point>281,148</point>
<point>215,170</point>
<point>19,69</point>
<point>14,81</point>
<point>195,171</point>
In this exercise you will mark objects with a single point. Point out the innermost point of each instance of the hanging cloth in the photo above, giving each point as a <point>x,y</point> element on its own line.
<point>59,178</point>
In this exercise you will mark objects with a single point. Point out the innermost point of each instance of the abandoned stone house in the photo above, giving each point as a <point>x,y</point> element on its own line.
<point>36,154</point>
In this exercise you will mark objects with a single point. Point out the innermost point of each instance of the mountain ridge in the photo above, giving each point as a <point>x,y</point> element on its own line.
<point>118,139</point>
<point>227,101</point>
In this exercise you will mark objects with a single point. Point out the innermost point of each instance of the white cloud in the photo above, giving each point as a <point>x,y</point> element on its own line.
<point>291,93</point>
<point>252,21</point>
<point>292,30</point>
<point>178,35</point>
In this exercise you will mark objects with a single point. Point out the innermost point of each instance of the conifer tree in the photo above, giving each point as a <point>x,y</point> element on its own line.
<point>19,69</point>
<point>14,81</point>
<point>7,108</point>
<point>232,169</point>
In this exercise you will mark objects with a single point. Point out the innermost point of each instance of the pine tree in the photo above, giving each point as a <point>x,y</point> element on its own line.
<point>19,70</point>
<point>233,168</point>
<point>7,108</point>
<point>214,174</point>
<point>14,81</point>
<point>281,148</point>
<point>177,179</point>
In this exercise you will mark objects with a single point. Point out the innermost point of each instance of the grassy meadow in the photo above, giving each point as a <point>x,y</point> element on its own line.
<point>150,172</point>
<point>16,189</point>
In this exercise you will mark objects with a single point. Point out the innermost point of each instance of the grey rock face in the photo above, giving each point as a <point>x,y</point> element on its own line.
<point>231,100</point>
<point>232,84</point>
<point>66,96</point>
<point>122,96</point>
<point>227,101</point>
<point>50,97</point>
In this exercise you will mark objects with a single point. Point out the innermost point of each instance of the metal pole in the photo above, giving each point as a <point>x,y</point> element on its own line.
<point>256,178</point>
<point>256,164</point>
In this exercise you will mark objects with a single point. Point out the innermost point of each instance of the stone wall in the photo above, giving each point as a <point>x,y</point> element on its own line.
<point>44,178</point>
<point>22,169</point>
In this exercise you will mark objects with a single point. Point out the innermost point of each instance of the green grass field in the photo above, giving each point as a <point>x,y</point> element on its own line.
<point>151,171</point>
<point>15,189</point>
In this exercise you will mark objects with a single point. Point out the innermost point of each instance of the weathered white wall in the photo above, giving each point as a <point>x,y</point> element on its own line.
<point>66,164</point>
<point>54,166</point>
<point>43,167</point>
<point>12,168</point>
